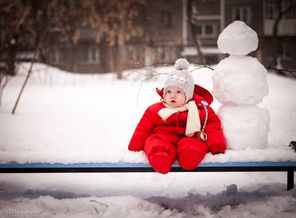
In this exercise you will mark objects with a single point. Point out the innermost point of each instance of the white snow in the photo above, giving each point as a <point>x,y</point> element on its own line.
<point>236,119</point>
<point>240,80</point>
<point>240,83</point>
<point>237,39</point>
<point>90,118</point>
<point>133,207</point>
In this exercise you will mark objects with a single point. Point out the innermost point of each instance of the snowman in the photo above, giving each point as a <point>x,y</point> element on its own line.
<point>240,84</point>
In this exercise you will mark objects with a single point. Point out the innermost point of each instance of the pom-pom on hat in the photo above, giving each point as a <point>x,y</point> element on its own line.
<point>181,78</point>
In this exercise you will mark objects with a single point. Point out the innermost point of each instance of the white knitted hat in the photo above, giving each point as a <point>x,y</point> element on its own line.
<point>181,78</point>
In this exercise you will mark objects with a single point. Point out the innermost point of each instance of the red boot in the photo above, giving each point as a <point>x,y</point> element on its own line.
<point>161,152</point>
<point>160,162</point>
<point>190,152</point>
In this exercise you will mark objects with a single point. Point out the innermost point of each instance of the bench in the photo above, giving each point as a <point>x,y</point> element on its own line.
<point>123,167</point>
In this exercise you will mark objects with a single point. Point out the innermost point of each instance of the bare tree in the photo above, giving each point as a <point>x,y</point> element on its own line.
<point>38,25</point>
<point>192,25</point>
<point>116,19</point>
<point>14,16</point>
<point>27,23</point>
<point>4,78</point>
<point>281,12</point>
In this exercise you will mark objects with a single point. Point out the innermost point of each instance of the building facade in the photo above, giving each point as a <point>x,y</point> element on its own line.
<point>168,34</point>
<point>275,49</point>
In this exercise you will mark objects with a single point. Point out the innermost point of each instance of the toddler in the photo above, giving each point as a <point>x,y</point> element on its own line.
<point>182,126</point>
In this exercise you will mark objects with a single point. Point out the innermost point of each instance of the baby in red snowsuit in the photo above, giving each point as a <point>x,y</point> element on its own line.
<point>182,126</point>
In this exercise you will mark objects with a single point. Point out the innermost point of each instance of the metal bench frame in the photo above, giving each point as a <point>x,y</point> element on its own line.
<point>123,167</point>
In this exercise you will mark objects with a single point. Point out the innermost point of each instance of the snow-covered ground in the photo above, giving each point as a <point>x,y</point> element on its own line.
<point>90,118</point>
<point>74,118</point>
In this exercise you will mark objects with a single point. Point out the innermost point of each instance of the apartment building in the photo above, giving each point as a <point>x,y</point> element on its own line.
<point>169,31</point>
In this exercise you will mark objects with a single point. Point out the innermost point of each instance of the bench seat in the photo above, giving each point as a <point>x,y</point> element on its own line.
<point>123,167</point>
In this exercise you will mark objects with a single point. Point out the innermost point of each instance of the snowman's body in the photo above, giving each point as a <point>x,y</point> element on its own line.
<point>240,83</point>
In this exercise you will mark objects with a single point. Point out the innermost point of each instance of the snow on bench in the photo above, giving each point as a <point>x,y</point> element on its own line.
<point>123,167</point>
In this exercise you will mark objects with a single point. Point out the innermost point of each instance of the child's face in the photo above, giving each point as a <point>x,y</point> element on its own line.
<point>174,96</point>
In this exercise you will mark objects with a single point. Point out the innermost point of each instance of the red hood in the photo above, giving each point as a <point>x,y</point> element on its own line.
<point>200,94</point>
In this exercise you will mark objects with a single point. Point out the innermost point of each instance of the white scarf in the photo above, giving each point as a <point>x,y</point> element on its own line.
<point>193,121</point>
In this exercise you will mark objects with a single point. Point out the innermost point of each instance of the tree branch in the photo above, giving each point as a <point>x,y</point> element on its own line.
<point>283,71</point>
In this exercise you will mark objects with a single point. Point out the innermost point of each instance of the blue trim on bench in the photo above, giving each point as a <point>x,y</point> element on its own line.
<point>142,165</point>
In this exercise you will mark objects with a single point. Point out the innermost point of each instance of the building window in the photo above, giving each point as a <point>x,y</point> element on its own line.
<point>57,56</point>
<point>209,29</point>
<point>166,19</point>
<point>165,54</point>
<point>286,55</point>
<point>198,30</point>
<point>270,9</point>
<point>90,55</point>
<point>273,7</point>
<point>170,54</point>
<point>241,13</point>
<point>94,55</point>
<point>160,55</point>
<point>132,53</point>
<point>206,30</point>
<point>291,11</point>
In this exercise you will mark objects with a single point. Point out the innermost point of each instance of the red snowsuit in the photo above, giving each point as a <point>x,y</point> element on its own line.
<point>164,141</point>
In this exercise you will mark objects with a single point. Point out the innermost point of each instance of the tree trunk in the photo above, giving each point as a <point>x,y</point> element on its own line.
<point>193,32</point>
<point>11,57</point>
<point>37,47</point>
<point>74,59</point>
<point>3,82</point>
<point>26,80</point>
<point>115,61</point>
<point>195,40</point>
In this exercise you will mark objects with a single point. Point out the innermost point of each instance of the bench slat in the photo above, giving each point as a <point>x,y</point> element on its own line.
<point>143,167</point>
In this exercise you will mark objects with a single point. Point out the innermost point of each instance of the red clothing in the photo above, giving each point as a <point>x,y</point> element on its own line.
<point>154,135</point>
